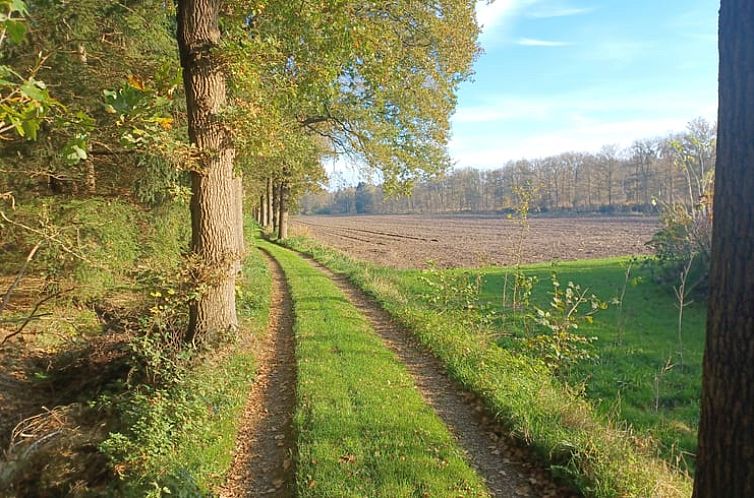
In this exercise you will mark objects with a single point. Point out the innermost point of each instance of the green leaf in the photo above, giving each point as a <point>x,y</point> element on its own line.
<point>18,6</point>
<point>16,31</point>
<point>33,90</point>
<point>31,127</point>
<point>75,150</point>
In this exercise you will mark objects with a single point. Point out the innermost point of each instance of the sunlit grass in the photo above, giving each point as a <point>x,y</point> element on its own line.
<point>362,427</point>
<point>571,432</point>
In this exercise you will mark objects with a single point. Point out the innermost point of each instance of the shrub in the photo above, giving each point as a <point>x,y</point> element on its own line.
<point>685,235</point>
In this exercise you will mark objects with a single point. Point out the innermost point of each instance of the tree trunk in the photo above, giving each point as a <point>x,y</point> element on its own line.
<point>725,461</point>
<point>90,177</point>
<point>283,207</point>
<point>269,204</point>
<point>275,196</point>
<point>240,240</point>
<point>213,204</point>
<point>263,211</point>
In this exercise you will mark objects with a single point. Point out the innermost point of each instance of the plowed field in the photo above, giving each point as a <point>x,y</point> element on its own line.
<point>464,241</point>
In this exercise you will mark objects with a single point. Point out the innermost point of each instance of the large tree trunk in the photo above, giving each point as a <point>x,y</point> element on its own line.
<point>283,197</point>
<point>240,240</point>
<point>213,204</point>
<point>725,461</point>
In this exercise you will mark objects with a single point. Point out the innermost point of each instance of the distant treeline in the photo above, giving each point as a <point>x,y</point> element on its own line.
<point>671,169</point>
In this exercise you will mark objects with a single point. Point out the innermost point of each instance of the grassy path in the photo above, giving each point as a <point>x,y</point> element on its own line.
<point>507,470</point>
<point>362,427</point>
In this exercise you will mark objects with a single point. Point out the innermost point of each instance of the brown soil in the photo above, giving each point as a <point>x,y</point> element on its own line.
<point>508,469</point>
<point>263,461</point>
<point>410,241</point>
<point>49,436</point>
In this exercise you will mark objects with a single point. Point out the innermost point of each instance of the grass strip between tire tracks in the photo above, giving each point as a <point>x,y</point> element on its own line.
<point>362,426</point>
<point>596,457</point>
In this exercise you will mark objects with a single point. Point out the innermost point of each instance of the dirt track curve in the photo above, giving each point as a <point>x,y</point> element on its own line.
<point>265,449</point>
<point>507,469</point>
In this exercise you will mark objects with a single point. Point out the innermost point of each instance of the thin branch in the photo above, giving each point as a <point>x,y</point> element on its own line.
<point>49,237</point>
<point>32,316</point>
<point>19,276</point>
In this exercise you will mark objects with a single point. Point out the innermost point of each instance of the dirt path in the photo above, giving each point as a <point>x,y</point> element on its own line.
<point>264,455</point>
<point>506,468</point>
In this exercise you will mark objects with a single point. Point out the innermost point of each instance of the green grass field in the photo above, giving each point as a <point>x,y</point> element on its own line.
<point>643,375</point>
<point>639,376</point>
<point>354,437</point>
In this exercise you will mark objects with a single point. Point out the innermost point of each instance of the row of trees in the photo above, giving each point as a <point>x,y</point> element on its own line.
<point>222,103</point>
<point>670,170</point>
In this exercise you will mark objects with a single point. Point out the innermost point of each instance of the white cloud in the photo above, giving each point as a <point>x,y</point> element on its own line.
<point>508,127</point>
<point>497,16</point>
<point>505,109</point>
<point>535,42</point>
<point>491,15</point>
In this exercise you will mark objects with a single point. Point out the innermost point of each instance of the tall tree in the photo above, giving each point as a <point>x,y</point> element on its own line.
<point>725,461</point>
<point>214,189</point>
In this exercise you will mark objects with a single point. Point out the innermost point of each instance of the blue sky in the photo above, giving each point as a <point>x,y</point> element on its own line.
<point>561,75</point>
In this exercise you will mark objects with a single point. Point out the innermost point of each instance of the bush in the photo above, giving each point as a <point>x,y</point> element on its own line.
<point>685,236</point>
<point>178,419</point>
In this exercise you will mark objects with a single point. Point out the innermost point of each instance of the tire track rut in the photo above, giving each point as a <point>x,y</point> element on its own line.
<point>263,463</point>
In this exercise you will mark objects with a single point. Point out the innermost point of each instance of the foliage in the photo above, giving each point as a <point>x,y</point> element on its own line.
<point>25,102</point>
<point>339,85</point>
<point>685,236</point>
<point>450,291</point>
<point>87,244</point>
<point>113,75</point>
<point>175,436</point>
<point>563,346</point>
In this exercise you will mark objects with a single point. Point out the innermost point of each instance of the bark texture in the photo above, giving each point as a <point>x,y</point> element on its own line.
<point>213,204</point>
<point>90,177</point>
<point>283,198</point>
<point>275,196</point>
<point>240,241</point>
<point>269,222</point>
<point>725,461</point>
<point>263,217</point>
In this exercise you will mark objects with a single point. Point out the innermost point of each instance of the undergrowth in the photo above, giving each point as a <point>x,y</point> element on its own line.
<point>176,437</point>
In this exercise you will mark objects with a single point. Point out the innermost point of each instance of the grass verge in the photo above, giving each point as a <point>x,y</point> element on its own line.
<point>562,427</point>
<point>179,440</point>
<point>362,428</point>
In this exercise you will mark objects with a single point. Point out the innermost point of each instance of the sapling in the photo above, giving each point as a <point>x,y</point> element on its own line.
<point>659,376</point>
<point>620,301</point>
<point>681,295</point>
